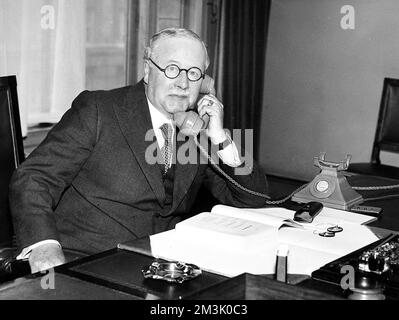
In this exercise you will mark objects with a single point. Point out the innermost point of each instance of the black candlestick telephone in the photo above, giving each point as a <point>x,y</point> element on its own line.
<point>190,123</point>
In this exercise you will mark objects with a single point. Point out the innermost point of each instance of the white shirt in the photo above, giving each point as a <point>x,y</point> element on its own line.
<point>228,155</point>
<point>158,119</point>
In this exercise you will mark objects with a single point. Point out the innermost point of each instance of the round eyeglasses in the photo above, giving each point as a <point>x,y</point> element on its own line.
<point>172,71</point>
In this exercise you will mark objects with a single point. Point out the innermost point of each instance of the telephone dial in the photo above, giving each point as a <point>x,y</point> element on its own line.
<point>190,123</point>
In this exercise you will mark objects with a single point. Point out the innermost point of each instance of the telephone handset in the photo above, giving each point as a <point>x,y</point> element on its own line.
<point>190,123</point>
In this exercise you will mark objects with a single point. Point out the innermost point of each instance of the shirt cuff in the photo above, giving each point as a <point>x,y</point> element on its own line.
<point>25,253</point>
<point>229,155</point>
<point>220,138</point>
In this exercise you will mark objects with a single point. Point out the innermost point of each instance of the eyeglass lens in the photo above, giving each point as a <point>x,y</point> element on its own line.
<point>172,71</point>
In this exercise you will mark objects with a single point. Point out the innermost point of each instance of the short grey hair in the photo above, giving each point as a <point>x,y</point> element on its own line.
<point>174,32</point>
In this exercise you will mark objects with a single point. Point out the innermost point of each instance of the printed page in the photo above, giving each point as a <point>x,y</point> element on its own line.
<point>271,216</point>
<point>263,215</point>
<point>276,217</point>
<point>224,230</point>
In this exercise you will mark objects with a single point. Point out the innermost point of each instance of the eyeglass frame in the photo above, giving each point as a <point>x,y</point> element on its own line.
<point>180,70</point>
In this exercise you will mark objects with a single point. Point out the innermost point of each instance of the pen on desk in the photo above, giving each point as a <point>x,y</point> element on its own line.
<point>282,263</point>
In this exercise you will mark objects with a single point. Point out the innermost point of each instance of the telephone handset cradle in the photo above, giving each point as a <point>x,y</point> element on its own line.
<point>330,186</point>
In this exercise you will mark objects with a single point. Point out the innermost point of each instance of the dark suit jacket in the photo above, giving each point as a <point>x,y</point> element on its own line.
<point>89,186</point>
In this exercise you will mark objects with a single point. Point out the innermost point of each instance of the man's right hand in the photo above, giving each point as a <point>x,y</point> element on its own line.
<point>45,257</point>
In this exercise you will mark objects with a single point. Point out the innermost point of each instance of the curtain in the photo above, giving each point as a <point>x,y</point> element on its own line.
<point>43,43</point>
<point>241,64</point>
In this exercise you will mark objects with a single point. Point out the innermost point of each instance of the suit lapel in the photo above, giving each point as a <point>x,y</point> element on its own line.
<point>135,121</point>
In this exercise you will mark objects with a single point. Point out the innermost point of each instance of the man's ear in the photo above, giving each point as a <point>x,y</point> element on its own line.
<point>146,71</point>
<point>147,55</point>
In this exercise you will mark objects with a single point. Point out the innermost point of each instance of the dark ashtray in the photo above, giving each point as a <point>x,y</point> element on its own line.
<point>172,271</point>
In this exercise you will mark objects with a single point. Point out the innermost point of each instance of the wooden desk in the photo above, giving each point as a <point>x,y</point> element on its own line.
<point>116,274</point>
<point>65,288</point>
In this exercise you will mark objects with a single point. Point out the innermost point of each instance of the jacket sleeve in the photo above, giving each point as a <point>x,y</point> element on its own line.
<point>37,185</point>
<point>249,175</point>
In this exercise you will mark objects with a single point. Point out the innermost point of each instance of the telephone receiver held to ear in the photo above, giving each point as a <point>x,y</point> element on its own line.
<point>190,123</point>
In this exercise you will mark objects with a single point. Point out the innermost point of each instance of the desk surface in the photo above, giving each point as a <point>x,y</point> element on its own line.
<point>116,274</point>
<point>60,287</point>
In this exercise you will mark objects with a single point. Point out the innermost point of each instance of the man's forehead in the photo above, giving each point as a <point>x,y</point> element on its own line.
<point>177,40</point>
<point>173,48</point>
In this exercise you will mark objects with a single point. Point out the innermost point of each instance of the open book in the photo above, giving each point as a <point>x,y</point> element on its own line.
<point>231,241</point>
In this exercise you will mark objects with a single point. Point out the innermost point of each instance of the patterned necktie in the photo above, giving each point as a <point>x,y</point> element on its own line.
<point>166,150</point>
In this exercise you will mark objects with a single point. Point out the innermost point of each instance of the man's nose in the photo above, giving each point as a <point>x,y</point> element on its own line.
<point>182,80</point>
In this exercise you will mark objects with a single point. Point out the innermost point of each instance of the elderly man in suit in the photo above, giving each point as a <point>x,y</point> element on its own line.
<point>89,186</point>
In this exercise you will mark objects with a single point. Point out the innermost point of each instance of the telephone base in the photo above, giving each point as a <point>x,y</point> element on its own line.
<point>330,187</point>
<point>343,197</point>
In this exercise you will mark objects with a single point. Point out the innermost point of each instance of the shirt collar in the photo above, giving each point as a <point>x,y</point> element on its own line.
<point>157,117</point>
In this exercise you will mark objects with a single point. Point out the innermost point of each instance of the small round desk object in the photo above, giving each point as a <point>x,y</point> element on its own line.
<point>335,229</point>
<point>367,288</point>
<point>327,234</point>
<point>173,271</point>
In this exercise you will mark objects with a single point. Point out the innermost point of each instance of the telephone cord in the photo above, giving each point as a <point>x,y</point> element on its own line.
<point>388,196</point>
<point>280,201</point>
<point>255,193</point>
<point>373,188</point>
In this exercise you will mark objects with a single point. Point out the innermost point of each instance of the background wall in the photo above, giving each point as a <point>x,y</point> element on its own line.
<point>323,84</point>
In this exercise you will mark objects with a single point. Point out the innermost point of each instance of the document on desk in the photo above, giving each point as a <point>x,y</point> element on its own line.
<point>231,241</point>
